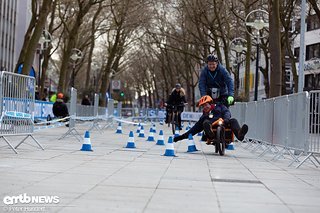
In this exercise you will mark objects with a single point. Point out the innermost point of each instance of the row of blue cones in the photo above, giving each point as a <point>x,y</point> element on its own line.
<point>169,149</point>
<point>140,129</point>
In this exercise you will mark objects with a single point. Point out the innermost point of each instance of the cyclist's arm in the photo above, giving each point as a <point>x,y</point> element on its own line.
<point>170,99</point>
<point>183,99</point>
<point>229,82</point>
<point>203,83</point>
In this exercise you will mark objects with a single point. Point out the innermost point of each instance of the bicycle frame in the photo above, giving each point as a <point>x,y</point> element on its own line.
<point>173,117</point>
<point>223,136</point>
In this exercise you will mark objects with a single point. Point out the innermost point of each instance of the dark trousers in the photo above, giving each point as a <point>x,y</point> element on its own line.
<point>169,111</point>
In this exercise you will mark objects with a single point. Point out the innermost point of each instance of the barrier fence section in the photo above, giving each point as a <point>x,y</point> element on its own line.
<point>73,113</point>
<point>314,127</point>
<point>290,122</point>
<point>42,109</point>
<point>96,117</point>
<point>314,132</point>
<point>17,98</point>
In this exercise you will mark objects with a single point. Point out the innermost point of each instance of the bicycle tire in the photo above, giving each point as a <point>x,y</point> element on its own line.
<point>173,123</point>
<point>169,119</point>
<point>220,141</point>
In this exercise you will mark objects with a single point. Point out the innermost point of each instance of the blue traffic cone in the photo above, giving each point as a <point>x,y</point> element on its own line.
<point>188,126</point>
<point>160,140</point>
<point>86,146</point>
<point>141,133</point>
<point>130,143</point>
<point>176,133</point>
<point>230,146</point>
<point>119,129</point>
<point>139,127</point>
<point>169,148</point>
<point>154,128</point>
<point>151,135</point>
<point>191,146</point>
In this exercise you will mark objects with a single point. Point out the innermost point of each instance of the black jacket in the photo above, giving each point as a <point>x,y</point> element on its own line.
<point>60,109</point>
<point>85,101</point>
<point>176,98</point>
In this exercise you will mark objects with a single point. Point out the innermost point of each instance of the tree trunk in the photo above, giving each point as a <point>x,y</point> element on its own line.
<point>27,36</point>
<point>247,70</point>
<point>92,44</point>
<point>275,50</point>
<point>71,42</point>
<point>315,6</point>
<point>34,39</point>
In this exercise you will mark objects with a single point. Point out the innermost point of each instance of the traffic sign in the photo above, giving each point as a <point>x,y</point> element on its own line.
<point>115,84</point>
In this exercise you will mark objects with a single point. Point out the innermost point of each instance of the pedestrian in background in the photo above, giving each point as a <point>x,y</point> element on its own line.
<point>85,100</point>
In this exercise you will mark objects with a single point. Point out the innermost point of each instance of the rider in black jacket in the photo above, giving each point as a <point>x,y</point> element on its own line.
<point>176,98</point>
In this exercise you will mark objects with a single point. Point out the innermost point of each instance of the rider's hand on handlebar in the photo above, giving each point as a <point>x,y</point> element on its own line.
<point>230,100</point>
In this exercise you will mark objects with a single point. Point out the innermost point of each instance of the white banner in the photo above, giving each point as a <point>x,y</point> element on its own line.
<point>190,116</point>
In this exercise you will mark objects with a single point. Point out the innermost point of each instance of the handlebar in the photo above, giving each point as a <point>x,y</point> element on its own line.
<point>177,105</point>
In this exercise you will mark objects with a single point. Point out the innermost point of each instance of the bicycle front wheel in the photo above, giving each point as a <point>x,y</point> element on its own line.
<point>220,143</point>
<point>173,123</point>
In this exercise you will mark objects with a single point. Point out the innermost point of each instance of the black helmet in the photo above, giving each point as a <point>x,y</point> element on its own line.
<point>212,58</point>
<point>178,86</point>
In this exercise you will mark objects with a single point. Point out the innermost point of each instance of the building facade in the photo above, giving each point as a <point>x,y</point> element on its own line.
<point>312,53</point>
<point>14,20</point>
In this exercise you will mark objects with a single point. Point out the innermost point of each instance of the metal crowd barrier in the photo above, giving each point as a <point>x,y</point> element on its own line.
<point>17,97</point>
<point>313,144</point>
<point>109,114</point>
<point>42,109</point>
<point>72,112</point>
<point>95,124</point>
<point>284,125</point>
<point>86,113</point>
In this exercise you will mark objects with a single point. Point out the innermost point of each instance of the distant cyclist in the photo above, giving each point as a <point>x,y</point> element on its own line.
<point>176,98</point>
<point>216,81</point>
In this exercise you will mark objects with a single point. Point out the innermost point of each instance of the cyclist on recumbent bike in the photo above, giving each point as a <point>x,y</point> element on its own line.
<point>176,99</point>
<point>211,113</point>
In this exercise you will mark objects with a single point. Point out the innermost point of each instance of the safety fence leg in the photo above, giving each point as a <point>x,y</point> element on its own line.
<point>9,144</point>
<point>33,140</point>
<point>70,132</point>
<point>295,159</point>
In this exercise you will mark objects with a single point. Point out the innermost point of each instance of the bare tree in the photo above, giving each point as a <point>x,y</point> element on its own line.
<point>72,27</point>
<point>316,7</point>
<point>275,49</point>
<point>37,23</point>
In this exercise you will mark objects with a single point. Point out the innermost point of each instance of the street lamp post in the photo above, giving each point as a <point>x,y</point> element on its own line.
<point>257,25</point>
<point>257,70</point>
<point>95,77</point>
<point>237,46</point>
<point>302,46</point>
<point>111,75</point>
<point>44,41</point>
<point>76,54</point>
